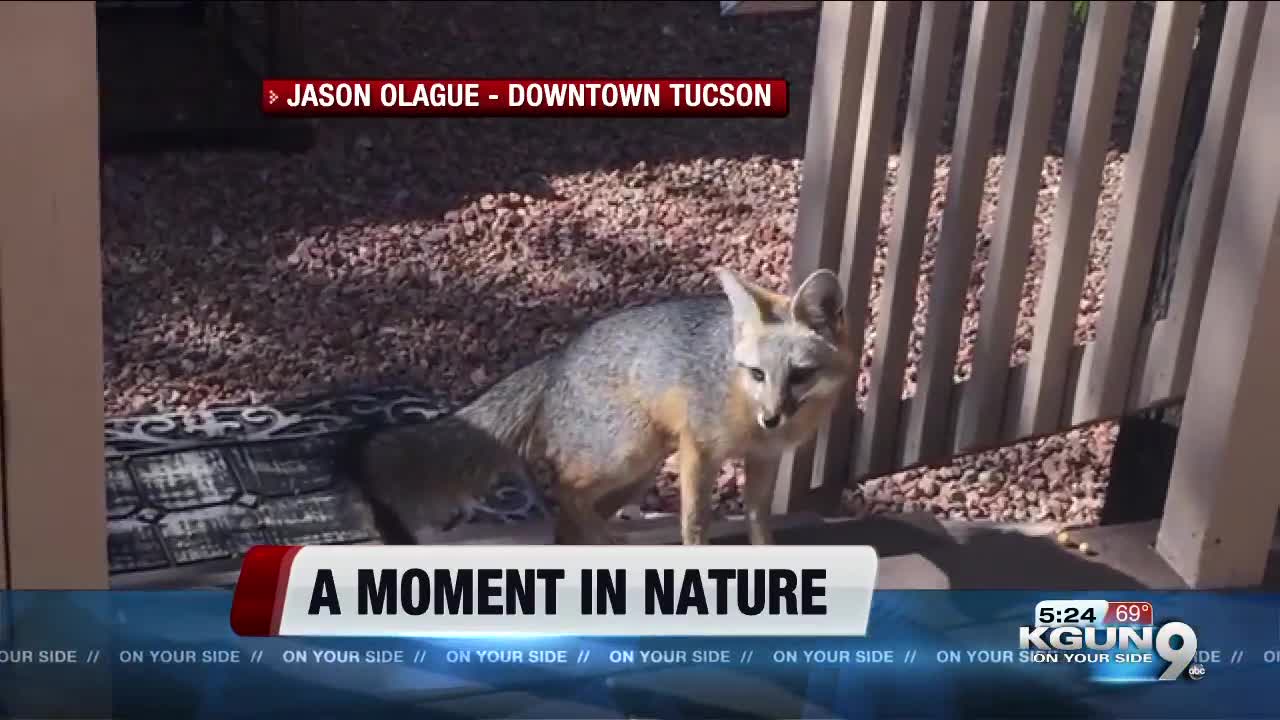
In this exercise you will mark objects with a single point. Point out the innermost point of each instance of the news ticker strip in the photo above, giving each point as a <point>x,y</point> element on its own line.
<point>584,97</point>
<point>563,651</point>
<point>924,649</point>
<point>585,591</point>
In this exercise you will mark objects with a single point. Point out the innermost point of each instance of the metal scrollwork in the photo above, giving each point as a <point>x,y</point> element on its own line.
<point>249,423</point>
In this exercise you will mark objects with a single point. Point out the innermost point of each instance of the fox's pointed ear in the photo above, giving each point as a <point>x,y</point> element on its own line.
<point>752,305</point>
<point>819,303</point>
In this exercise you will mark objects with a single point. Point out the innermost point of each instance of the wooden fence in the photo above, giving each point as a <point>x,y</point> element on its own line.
<point>1130,364</point>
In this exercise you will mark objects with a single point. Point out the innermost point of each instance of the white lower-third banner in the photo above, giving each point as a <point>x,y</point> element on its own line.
<point>442,591</point>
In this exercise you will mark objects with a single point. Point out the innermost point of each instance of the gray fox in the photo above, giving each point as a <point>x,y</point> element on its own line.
<point>745,375</point>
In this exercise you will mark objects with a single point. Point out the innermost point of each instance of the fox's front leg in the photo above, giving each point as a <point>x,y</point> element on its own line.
<point>757,496</point>
<point>697,478</point>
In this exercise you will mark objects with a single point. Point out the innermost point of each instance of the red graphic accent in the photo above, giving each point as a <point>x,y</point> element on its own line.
<point>1132,612</point>
<point>528,97</point>
<point>259,596</point>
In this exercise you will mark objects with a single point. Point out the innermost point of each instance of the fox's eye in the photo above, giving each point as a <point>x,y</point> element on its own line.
<point>756,374</point>
<point>801,375</point>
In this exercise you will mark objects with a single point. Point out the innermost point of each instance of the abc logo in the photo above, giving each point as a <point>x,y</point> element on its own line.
<point>1196,671</point>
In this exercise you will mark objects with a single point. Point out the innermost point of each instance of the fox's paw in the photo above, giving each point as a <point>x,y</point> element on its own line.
<point>629,512</point>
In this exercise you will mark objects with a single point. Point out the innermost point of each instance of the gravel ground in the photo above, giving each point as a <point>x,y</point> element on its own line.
<point>446,253</point>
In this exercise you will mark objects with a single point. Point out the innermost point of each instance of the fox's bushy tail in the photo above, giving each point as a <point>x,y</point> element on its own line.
<point>425,475</point>
<point>508,411</point>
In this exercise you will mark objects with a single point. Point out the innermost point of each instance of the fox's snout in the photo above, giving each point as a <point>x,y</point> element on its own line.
<point>769,422</point>
<point>775,405</point>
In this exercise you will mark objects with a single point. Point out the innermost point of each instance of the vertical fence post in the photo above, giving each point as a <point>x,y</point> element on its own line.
<point>928,432</point>
<point>1224,492</point>
<point>51,297</point>
<point>885,53</point>
<point>829,141</point>
<point>981,413</point>
<point>54,487</point>
<point>1104,381</point>
<point>917,160</point>
<point>1044,386</point>
<point>1167,364</point>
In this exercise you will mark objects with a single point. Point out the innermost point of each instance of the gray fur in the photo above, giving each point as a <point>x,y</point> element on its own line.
<point>600,409</point>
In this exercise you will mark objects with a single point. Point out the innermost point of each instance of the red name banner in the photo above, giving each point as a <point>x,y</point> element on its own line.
<point>694,97</point>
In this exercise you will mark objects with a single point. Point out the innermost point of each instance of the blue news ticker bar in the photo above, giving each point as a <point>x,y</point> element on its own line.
<point>927,654</point>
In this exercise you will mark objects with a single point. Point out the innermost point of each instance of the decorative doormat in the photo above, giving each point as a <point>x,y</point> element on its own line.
<point>189,493</point>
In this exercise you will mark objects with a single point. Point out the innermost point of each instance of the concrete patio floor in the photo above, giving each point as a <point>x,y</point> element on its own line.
<point>919,552</point>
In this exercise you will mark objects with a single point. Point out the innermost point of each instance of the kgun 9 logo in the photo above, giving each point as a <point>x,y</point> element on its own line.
<point>1091,642</point>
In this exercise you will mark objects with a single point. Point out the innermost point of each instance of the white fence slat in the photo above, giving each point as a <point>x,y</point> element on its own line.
<point>929,427</point>
<point>1105,387</point>
<point>834,109</point>
<point>982,407</point>
<point>930,75</point>
<point>1066,256</point>
<point>1168,365</point>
